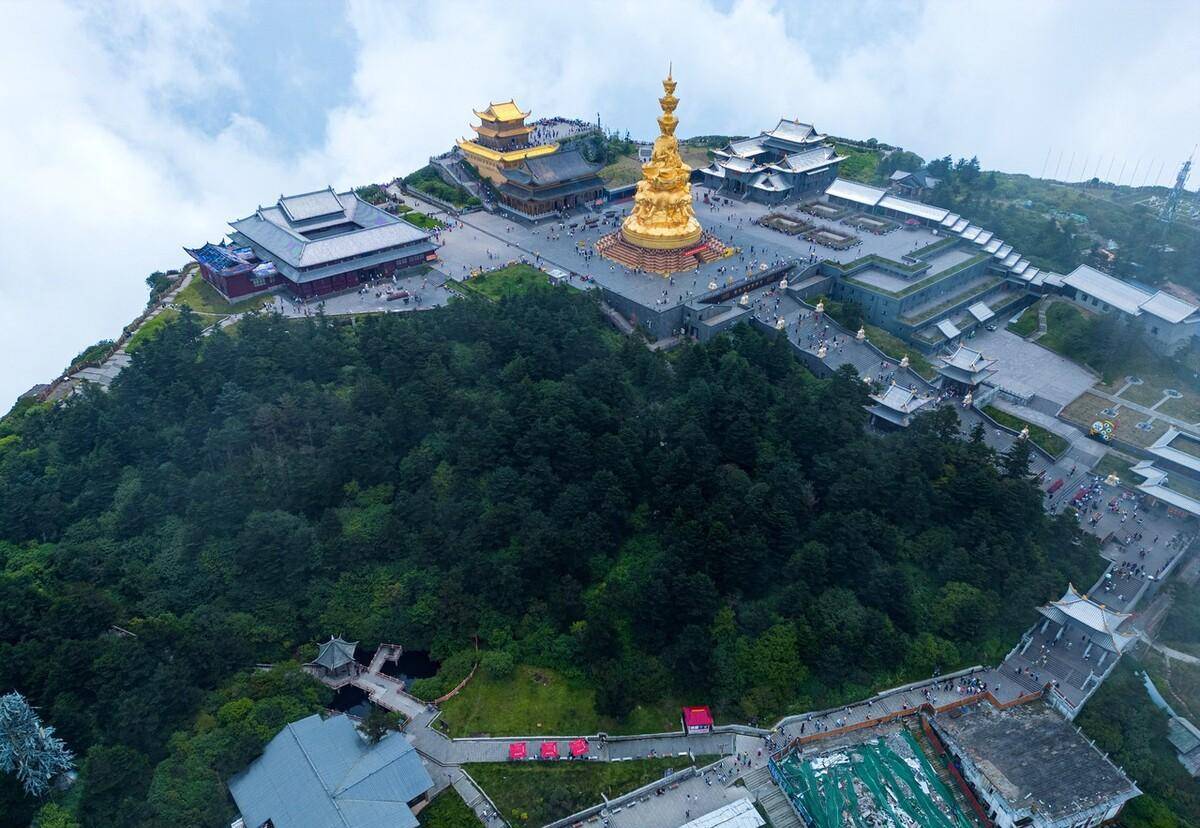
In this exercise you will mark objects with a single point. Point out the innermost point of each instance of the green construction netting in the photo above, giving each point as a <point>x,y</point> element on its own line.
<point>885,782</point>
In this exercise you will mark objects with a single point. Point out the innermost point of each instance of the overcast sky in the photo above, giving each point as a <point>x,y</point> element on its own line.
<point>132,128</point>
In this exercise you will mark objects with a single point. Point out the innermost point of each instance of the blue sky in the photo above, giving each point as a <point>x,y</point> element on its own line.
<point>146,125</point>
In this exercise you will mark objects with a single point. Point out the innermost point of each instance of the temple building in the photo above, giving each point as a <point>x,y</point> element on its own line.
<point>897,406</point>
<point>966,368</point>
<point>661,234</point>
<point>1166,322</point>
<point>1072,651</point>
<point>1028,767</point>
<point>313,244</point>
<point>791,161</point>
<point>501,142</point>
<point>550,185</point>
<point>321,773</point>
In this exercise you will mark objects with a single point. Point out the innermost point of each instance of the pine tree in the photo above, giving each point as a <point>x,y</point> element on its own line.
<point>28,748</point>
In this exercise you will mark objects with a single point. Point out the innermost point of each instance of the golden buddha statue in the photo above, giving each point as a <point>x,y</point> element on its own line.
<point>662,217</point>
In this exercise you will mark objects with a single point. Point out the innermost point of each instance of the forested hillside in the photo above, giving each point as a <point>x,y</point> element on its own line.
<point>714,523</point>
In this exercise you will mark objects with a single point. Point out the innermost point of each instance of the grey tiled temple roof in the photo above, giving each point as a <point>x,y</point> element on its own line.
<point>320,773</point>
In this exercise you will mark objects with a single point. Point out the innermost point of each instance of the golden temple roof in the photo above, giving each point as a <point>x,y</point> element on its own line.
<point>493,131</point>
<point>507,157</point>
<point>505,111</point>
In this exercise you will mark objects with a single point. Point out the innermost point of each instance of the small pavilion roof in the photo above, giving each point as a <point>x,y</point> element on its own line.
<point>335,653</point>
<point>1105,622</point>
<point>503,111</point>
<point>901,399</point>
<point>948,328</point>
<point>697,717</point>
<point>968,359</point>
<point>981,311</point>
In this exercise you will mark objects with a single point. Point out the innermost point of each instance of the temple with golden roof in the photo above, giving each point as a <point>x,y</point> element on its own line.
<point>662,234</point>
<point>501,141</point>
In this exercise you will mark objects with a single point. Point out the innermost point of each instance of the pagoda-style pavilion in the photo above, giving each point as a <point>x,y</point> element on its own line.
<point>897,405</point>
<point>966,368</point>
<point>1099,624</point>
<point>501,141</point>
<point>335,659</point>
<point>662,234</point>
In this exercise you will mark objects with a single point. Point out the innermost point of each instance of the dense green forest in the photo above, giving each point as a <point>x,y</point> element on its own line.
<point>716,523</point>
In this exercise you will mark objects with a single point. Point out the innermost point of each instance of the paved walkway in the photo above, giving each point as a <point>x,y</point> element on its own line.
<point>119,360</point>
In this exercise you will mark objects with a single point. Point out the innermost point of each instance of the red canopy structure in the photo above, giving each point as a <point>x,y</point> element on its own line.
<point>579,747</point>
<point>549,750</point>
<point>697,720</point>
<point>517,750</point>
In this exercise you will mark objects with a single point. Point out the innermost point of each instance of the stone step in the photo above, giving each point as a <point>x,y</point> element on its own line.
<point>757,778</point>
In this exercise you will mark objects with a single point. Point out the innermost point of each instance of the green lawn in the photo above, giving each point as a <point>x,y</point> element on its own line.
<point>151,329</point>
<point>1048,440</point>
<point>627,169</point>
<point>1186,408</point>
<point>202,297</point>
<point>1061,319</point>
<point>447,810</point>
<point>534,793</point>
<point>1146,394</point>
<point>896,348</point>
<point>421,220</point>
<point>860,163</point>
<point>513,280</point>
<point>1113,463</point>
<point>539,700</point>
<point>1028,322</point>
<point>427,180</point>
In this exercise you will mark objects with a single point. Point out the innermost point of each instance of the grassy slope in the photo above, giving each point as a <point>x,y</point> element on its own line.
<point>447,810</point>
<point>1028,322</point>
<point>627,170</point>
<point>896,348</point>
<point>534,793</point>
<point>151,329</point>
<point>514,280</point>
<point>202,297</point>
<point>1048,440</point>
<point>538,700</point>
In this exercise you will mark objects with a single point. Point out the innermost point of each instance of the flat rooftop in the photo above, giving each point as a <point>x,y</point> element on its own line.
<point>884,779</point>
<point>1035,758</point>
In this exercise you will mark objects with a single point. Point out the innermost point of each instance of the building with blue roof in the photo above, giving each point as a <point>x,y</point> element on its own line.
<point>314,244</point>
<point>321,773</point>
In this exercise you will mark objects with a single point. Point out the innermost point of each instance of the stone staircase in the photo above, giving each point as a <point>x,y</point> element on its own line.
<point>767,794</point>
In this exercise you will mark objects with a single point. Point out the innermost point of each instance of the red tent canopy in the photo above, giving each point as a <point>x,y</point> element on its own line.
<point>697,717</point>
<point>549,750</point>
<point>517,750</point>
<point>579,747</point>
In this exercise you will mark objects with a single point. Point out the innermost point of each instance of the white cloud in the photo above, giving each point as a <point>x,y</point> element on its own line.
<point>104,179</point>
